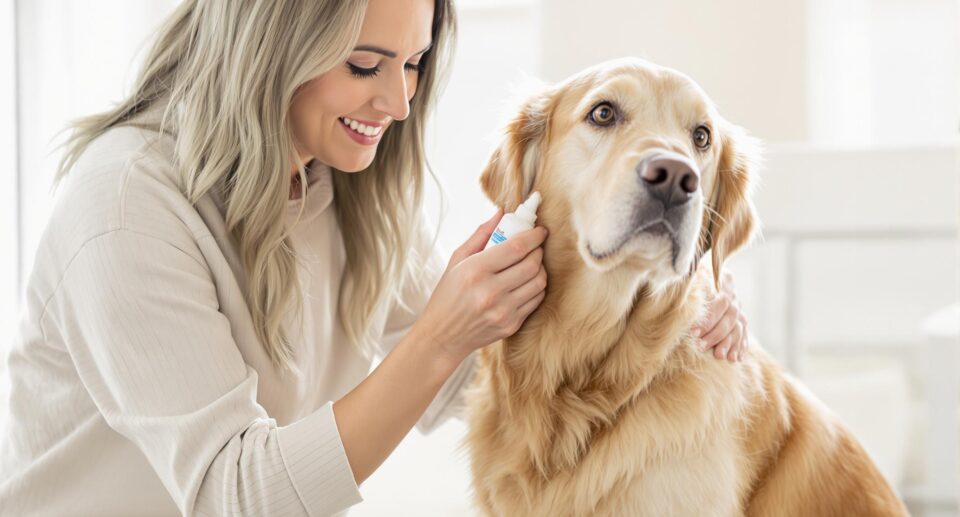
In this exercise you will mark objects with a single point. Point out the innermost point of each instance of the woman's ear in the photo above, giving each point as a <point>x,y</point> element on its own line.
<point>731,217</point>
<point>508,177</point>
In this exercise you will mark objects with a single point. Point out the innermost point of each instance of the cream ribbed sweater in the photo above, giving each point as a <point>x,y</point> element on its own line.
<point>138,385</point>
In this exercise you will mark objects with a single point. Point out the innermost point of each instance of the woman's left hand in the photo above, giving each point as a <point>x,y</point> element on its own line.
<point>724,328</point>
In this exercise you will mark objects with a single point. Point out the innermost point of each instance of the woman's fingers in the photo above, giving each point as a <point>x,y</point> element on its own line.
<point>720,351</point>
<point>530,305</point>
<point>744,338</point>
<point>520,273</point>
<point>726,326</point>
<point>531,288</point>
<point>723,327</point>
<point>736,338</point>
<point>716,309</point>
<point>731,346</point>
<point>478,240</point>
<point>506,254</point>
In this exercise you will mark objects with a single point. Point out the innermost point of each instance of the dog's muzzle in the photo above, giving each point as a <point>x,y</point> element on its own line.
<point>670,178</point>
<point>669,183</point>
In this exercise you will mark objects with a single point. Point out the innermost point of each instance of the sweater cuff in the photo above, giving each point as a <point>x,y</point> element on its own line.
<point>317,462</point>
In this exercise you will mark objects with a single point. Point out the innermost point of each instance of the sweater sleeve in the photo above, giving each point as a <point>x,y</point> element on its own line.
<point>404,312</point>
<point>140,320</point>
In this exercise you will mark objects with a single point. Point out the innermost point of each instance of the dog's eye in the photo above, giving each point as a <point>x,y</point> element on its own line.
<point>701,137</point>
<point>603,114</point>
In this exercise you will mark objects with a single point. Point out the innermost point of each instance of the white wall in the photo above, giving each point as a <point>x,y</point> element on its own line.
<point>8,178</point>
<point>872,234</point>
<point>748,55</point>
<point>869,58</point>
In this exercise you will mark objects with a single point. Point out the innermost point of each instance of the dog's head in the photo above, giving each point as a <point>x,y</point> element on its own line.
<point>637,158</point>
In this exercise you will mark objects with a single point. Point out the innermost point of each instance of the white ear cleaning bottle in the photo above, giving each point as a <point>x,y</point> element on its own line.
<point>516,222</point>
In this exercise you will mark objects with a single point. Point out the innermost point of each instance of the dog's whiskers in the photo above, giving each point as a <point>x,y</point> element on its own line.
<point>712,213</point>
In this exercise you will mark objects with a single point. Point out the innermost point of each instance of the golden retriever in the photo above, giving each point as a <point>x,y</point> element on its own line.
<point>602,404</point>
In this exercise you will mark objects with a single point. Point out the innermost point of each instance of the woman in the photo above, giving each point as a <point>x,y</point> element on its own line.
<point>158,368</point>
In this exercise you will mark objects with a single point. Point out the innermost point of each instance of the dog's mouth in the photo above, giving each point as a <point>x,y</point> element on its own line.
<point>659,227</point>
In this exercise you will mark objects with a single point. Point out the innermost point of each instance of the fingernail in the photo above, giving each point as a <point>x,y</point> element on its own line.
<point>697,332</point>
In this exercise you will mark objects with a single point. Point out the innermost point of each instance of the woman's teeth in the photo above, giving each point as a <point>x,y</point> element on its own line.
<point>361,128</point>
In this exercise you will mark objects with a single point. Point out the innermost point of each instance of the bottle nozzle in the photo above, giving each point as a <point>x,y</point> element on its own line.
<point>528,210</point>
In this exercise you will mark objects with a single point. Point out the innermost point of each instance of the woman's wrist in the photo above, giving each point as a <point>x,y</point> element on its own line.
<point>410,376</point>
<point>435,348</point>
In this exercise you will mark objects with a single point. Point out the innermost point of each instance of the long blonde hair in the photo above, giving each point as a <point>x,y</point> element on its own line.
<point>225,73</point>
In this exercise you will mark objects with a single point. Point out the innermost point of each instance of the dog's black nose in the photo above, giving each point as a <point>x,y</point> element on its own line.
<point>670,180</point>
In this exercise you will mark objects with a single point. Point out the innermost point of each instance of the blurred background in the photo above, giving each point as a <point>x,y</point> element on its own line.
<point>853,287</point>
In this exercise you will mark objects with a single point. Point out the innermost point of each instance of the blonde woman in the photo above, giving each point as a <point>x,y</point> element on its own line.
<point>232,246</point>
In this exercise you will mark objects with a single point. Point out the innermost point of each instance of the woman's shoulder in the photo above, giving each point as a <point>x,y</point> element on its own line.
<point>125,180</point>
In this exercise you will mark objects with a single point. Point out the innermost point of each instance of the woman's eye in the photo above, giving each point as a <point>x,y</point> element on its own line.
<point>603,114</point>
<point>363,72</point>
<point>359,71</point>
<point>701,137</point>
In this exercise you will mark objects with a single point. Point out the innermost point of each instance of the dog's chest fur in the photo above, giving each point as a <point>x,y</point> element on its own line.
<point>655,456</point>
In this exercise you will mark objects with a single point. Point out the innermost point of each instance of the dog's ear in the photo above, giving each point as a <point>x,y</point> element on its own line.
<point>513,165</point>
<point>731,219</point>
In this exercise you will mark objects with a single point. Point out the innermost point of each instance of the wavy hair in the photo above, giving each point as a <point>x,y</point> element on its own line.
<point>225,73</point>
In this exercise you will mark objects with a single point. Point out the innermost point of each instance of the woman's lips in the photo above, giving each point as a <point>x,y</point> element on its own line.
<point>362,133</point>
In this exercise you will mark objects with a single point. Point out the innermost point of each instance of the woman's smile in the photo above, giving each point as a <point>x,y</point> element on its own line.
<point>364,133</point>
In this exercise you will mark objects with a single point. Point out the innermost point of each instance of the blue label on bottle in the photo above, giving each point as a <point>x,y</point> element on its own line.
<point>497,237</point>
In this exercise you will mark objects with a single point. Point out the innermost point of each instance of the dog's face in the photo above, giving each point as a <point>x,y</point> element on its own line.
<point>636,157</point>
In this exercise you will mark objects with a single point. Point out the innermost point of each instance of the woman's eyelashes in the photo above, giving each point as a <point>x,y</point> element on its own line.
<point>361,72</point>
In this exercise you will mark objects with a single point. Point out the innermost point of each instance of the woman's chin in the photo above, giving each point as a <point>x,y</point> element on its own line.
<point>356,164</point>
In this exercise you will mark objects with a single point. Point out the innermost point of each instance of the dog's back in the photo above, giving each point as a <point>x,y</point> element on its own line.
<point>819,467</point>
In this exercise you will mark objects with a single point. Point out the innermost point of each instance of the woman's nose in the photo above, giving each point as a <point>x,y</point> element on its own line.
<point>392,98</point>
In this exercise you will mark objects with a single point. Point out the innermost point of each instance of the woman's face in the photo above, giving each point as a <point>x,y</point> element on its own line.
<point>340,116</point>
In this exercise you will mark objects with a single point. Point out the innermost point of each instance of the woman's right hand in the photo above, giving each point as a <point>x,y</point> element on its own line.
<point>485,295</point>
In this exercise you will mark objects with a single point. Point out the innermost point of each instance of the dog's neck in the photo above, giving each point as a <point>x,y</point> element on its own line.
<point>595,343</point>
<point>587,314</point>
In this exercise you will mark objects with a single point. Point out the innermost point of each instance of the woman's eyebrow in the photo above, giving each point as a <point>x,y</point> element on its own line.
<point>380,50</point>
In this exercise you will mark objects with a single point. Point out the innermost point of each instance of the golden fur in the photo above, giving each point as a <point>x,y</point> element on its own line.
<point>601,405</point>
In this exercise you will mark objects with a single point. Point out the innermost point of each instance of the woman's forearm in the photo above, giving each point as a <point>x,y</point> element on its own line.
<point>375,416</point>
